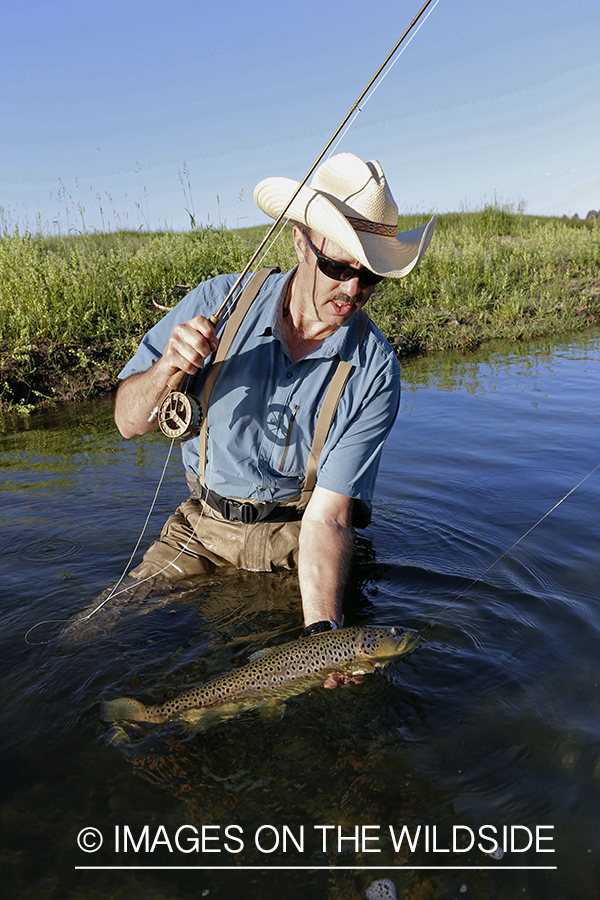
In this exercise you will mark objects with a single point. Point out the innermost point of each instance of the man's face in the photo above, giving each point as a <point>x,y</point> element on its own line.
<point>332,302</point>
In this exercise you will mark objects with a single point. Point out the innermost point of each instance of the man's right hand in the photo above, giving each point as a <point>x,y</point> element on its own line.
<point>186,350</point>
<point>189,345</point>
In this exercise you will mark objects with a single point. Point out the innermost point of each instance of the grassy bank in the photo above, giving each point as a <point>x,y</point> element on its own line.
<point>72,309</point>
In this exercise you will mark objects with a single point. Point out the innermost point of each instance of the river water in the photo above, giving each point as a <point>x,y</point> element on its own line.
<point>493,721</point>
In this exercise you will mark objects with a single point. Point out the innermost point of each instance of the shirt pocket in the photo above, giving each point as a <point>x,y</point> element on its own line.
<point>288,438</point>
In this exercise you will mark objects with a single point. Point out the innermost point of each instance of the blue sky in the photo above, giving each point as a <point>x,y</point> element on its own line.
<point>102,103</point>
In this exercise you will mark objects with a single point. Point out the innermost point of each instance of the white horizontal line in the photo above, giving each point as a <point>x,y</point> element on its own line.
<point>318,868</point>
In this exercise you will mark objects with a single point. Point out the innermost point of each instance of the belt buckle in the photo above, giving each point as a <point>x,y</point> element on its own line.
<point>240,512</point>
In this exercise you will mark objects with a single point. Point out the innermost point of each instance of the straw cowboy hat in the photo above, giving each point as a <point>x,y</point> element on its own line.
<point>349,202</point>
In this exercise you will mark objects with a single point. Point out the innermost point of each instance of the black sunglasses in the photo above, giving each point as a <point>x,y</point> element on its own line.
<point>340,271</point>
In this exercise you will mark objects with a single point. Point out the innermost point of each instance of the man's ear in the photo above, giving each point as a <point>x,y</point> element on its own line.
<point>299,244</point>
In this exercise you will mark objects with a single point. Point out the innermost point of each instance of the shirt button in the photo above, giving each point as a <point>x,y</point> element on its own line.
<point>288,375</point>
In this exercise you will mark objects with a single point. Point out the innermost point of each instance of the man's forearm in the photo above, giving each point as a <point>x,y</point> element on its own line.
<point>324,559</point>
<point>136,398</point>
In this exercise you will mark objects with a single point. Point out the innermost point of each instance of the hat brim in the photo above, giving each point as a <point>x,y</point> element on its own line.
<point>392,257</point>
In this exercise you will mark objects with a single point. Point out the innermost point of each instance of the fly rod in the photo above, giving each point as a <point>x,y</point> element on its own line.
<point>180,418</point>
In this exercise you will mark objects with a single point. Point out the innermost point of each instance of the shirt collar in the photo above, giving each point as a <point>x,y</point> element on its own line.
<point>348,337</point>
<point>275,306</point>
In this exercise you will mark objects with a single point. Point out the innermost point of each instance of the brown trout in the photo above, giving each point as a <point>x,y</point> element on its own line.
<point>273,676</point>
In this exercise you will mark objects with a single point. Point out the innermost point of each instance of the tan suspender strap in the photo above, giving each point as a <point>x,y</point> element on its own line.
<point>232,325</point>
<point>325,417</point>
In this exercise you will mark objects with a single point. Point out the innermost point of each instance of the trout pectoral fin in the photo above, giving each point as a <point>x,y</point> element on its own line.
<point>204,716</point>
<point>193,716</point>
<point>271,709</point>
<point>363,668</point>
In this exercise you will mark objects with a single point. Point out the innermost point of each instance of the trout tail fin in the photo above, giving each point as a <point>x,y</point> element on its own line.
<point>125,709</point>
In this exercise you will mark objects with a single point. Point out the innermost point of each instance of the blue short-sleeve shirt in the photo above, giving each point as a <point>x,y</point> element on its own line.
<point>264,406</point>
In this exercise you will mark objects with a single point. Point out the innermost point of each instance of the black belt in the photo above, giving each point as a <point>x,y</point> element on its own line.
<point>247,512</point>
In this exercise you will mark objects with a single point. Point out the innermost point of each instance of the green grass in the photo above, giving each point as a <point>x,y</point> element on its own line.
<point>492,273</point>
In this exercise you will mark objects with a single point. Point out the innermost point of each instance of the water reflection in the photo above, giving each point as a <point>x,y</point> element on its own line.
<point>519,366</point>
<point>493,720</point>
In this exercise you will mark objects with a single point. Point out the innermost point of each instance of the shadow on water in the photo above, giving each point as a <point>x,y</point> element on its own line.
<point>492,721</point>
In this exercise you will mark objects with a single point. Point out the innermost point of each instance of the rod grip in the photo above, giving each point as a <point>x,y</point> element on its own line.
<point>175,380</point>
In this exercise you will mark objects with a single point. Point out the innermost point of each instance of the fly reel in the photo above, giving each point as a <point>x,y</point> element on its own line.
<point>180,415</point>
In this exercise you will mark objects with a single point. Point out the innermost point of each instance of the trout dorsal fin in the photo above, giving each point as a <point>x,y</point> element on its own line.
<point>257,654</point>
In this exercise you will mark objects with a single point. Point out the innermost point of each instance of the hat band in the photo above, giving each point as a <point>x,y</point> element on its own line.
<point>373,227</point>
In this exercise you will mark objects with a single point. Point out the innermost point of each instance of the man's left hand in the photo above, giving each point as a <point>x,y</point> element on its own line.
<point>343,678</point>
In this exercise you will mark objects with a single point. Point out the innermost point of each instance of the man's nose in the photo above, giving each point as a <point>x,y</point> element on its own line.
<point>351,288</point>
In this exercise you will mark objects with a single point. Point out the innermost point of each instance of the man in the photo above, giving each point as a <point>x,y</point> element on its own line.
<point>248,507</point>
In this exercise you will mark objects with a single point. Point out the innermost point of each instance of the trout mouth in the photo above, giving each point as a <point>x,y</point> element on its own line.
<point>413,642</point>
<point>410,640</point>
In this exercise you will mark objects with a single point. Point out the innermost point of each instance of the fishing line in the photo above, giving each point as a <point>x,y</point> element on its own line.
<point>115,592</point>
<point>230,300</point>
<point>506,552</point>
<point>368,96</point>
